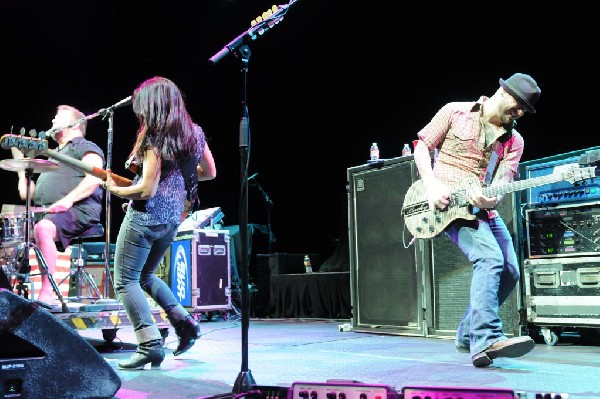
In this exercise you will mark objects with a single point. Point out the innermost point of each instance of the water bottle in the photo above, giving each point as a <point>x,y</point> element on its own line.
<point>374,153</point>
<point>307,264</point>
<point>406,150</point>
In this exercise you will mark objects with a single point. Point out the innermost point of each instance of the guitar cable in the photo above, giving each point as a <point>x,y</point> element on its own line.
<point>413,239</point>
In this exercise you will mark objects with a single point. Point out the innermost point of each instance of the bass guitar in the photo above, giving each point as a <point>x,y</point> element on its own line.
<point>34,146</point>
<point>423,222</point>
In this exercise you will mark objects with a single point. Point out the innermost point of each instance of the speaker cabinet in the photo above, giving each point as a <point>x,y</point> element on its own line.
<point>451,276</point>
<point>41,357</point>
<point>385,273</point>
<point>421,289</point>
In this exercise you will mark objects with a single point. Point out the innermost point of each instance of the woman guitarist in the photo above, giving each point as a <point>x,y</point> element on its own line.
<point>167,143</point>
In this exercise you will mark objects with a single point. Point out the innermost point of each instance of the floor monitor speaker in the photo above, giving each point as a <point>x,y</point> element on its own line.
<point>385,272</point>
<point>41,357</point>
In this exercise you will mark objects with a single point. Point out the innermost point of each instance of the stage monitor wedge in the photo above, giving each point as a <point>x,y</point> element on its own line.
<point>41,357</point>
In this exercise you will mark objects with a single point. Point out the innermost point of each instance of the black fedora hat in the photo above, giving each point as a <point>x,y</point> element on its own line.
<point>524,89</point>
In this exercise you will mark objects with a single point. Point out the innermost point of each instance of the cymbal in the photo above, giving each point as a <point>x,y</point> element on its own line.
<point>12,209</point>
<point>21,165</point>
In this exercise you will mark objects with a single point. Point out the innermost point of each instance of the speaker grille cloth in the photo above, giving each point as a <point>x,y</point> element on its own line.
<point>385,270</point>
<point>452,277</point>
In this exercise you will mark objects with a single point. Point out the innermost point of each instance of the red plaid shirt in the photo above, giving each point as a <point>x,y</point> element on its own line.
<point>456,133</point>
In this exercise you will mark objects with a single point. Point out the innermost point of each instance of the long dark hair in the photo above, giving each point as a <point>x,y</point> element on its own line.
<point>164,121</point>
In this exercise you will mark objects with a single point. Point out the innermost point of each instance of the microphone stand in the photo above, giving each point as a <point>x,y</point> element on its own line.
<point>269,205</point>
<point>244,380</point>
<point>109,113</point>
<point>240,49</point>
<point>107,201</point>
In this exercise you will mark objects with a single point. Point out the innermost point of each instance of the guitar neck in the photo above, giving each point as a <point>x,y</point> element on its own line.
<point>521,185</point>
<point>87,168</point>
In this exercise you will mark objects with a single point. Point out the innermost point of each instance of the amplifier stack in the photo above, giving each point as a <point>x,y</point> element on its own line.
<point>562,254</point>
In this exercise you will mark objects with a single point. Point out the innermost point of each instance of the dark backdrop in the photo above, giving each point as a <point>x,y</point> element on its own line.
<point>327,81</point>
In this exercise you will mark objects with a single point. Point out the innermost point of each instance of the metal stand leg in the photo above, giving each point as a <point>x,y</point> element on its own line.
<point>22,288</point>
<point>43,266</point>
<point>83,277</point>
<point>17,276</point>
<point>24,267</point>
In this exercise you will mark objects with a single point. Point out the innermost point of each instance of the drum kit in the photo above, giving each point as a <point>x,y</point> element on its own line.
<point>16,228</point>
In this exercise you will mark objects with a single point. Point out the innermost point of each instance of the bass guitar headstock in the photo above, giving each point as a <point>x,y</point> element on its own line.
<point>31,146</point>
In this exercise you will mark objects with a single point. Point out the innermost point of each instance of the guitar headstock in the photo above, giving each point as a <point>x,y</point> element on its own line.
<point>268,19</point>
<point>264,16</point>
<point>575,174</point>
<point>30,146</point>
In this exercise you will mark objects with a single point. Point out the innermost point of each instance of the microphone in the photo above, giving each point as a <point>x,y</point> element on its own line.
<point>122,103</point>
<point>253,176</point>
<point>52,132</point>
<point>104,111</point>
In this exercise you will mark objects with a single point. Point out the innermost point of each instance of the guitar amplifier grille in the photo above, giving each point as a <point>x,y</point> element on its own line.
<point>385,278</point>
<point>451,270</point>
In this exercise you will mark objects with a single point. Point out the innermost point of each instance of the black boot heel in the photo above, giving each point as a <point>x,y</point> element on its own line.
<point>188,331</point>
<point>145,353</point>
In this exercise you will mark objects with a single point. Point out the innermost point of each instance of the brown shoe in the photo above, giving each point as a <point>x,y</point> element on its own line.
<point>511,347</point>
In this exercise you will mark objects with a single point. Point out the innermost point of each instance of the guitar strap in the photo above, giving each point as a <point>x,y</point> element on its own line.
<point>501,146</point>
<point>491,168</point>
<point>190,177</point>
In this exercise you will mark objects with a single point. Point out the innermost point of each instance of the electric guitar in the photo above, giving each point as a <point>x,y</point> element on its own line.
<point>425,223</point>
<point>34,146</point>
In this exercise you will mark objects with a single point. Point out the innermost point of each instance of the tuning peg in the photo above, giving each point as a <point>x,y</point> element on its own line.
<point>267,14</point>
<point>32,133</point>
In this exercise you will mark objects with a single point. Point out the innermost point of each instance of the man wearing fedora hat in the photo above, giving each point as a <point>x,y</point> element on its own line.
<point>477,142</point>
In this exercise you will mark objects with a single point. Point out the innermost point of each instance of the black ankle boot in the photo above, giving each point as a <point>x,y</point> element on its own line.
<point>188,331</point>
<point>147,352</point>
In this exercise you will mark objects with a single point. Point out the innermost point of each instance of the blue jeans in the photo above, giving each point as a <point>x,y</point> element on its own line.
<point>139,250</point>
<point>489,246</point>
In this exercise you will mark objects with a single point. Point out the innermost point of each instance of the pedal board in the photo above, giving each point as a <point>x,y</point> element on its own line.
<point>268,392</point>
<point>458,393</point>
<point>341,389</point>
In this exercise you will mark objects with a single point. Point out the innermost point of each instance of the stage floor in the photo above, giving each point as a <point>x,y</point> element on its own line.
<point>281,352</point>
